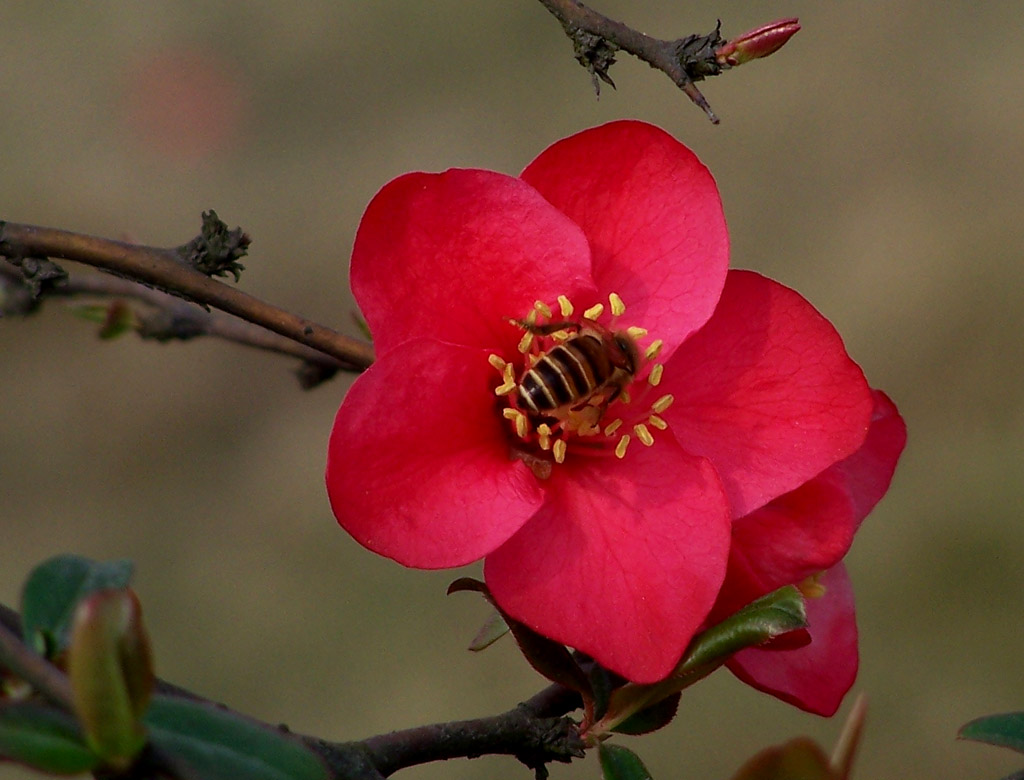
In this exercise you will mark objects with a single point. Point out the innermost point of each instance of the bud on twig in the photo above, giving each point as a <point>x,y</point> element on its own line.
<point>757,43</point>
<point>111,674</point>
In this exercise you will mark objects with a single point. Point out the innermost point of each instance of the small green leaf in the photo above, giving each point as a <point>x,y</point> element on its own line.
<point>220,745</point>
<point>44,739</point>
<point>490,632</point>
<point>653,718</point>
<point>798,759</point>
<point>1002,730</point>
<point>619,763</point>
<point>760,621</point>
<point>53,590</point>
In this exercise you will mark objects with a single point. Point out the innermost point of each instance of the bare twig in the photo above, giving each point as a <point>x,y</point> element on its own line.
<point>687,60</point>
<point>164,270</point>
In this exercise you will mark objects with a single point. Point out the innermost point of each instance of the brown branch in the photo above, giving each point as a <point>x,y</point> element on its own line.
<point>154,314</point>
<point>535,732</point>
<point>164,270</point>
<point>596,38</point>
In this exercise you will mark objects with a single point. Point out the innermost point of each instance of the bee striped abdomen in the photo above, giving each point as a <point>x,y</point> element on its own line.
<point>565,375</point>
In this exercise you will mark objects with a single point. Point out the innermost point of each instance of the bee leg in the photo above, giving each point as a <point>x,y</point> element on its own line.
<point>548,328</point>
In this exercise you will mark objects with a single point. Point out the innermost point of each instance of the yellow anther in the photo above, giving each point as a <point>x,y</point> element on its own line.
<point>654,378</point>
<point>657,422</point>
<point>525,342</point>
<point>636,331</point>
<point>497,361</point>
<point>616,304</point>
<point>560,335</point>
<point>509,375</point>
<point>531,318</point>
<point>544,436</point>
<point>543,308</point>
<point>594,312</point>
<point>522,426</point>
<point>620,448</point>
<point>625,397</point>
<point>613,426</point>
<point>652,351</point>
<point>662,403</point>
<point>643,434</point>
<point>559,451</point>
<point>565,305</point>
<point>517,417</point>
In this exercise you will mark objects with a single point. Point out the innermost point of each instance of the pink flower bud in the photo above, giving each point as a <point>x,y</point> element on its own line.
<point>757,43</point>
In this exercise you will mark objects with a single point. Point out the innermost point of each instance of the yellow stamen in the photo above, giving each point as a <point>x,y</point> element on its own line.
<point>509,384</point>
<point>560,335</point>
<point>594,312</point>
<point>565,305</point>
<point>497,361</point>
<point>625,397</point>
<point>616,304</point>
<point>525,342</point>
<point>544,436</point>
<point>531,318</point>
<point>654,378</point>
<point>662,403</point>
<point>613,426</point>
<point>657,422</point>
<point>620,448</point>
<point>652,351</point>
<point>559,451</point>
<point>643,434</point>
<point>543,308</point>
<point>636,331</point>
<point>521,423</point>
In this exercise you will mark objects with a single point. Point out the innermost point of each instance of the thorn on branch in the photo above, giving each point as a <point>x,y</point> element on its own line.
<point>39,273</point>
<point>595,54</point>
<point>216,250</point>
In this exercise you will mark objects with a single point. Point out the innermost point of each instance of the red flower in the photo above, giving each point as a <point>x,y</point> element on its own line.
<point>796,537</point>
<point>604,523</point>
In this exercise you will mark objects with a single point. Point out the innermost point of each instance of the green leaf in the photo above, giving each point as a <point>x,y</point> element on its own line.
<point>53,590</point>
<point>798,759</point>
<point>651,719</point>
<point>1002,730</point>
<point>619,763</point>
<point>44,739</point>
<point>760,621</point>
<point>220,745</point>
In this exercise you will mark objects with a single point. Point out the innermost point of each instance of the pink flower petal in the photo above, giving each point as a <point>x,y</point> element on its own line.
<point>766,392</point>
<point>814,677</point>
<point>811,528</point>
<point>452,255</point>
<point>623,561</point>
<point>653,216</point>
<point>417,465</point>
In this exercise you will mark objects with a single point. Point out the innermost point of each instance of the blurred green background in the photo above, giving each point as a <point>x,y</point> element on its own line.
<point>876,164</point>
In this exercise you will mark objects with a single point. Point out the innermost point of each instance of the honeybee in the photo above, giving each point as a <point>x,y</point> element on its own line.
<point>580,370</point>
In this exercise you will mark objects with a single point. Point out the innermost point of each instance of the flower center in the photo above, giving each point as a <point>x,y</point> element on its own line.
<point>579,383</point>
